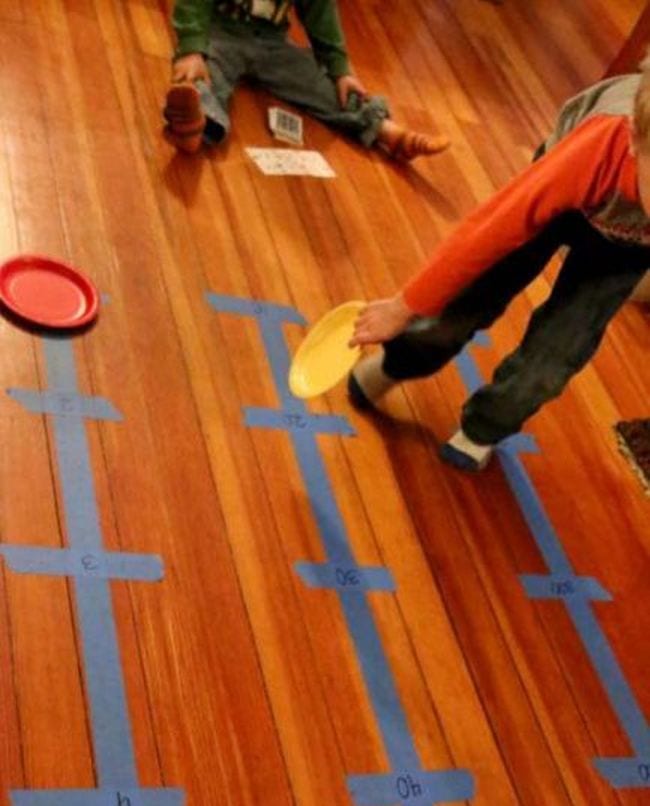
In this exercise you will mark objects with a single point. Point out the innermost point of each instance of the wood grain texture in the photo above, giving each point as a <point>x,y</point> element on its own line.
<point>243,685</point>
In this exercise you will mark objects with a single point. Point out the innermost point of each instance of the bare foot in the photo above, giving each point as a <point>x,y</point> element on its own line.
<point>402,143</point>
<point>185,118</point>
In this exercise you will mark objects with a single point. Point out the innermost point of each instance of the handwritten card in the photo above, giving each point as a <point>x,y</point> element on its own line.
<point>290,162</point>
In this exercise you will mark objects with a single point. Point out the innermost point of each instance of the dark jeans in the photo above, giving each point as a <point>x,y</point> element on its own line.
<point>290,73</point>
<point>564,332</point>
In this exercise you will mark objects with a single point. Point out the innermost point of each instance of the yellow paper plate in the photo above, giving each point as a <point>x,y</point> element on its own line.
<point>324,357</point>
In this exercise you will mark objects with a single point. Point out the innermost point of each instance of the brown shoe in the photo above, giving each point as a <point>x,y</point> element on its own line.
<point>185,118</point>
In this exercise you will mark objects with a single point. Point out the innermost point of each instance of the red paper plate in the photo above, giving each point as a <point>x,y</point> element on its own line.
<point>47,292</point>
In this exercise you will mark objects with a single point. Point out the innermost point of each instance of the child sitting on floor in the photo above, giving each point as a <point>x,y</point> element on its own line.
<point>588,190</point>
<point>221,41</point>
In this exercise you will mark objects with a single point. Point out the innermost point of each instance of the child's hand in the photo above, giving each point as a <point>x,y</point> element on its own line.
<point>381,321</point>
<point>190,67</point>
<point>347,84</point>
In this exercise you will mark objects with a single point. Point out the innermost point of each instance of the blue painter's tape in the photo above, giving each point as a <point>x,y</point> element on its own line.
<point>72,562</point>
<point>482,338</point>
<point>112,741</point>
<point>321,497</point>
<point>624,773</point>
<point>302,427</point>
<point>348,579</point>
<point>378,677</point>
<point>259,310</point>
<point>576,593</point>
<point>534,513</point>
<point>91,567</point>
<point>467,366</point>
<point>97,797</point>
<point>413,787</point>
<point>604,661</point>
<point>563,586</point>
<point>269,318</point>
<point>518,443</point>
<point>299,422</point>
<point>361,625</point>
<point>469,372</point>
<point>65,404</point>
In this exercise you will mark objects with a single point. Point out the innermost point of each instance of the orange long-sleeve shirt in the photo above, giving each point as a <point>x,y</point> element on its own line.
<point>591,169</point>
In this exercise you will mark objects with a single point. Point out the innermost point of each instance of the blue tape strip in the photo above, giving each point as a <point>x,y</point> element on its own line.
<point>97,797</point>
<point>269,318</point>
<point>377,674</point>
<point>261,310</point>
<point>348,579</point>
<point>65,404</point>
<point>298,421</point>
<point>532,508</point>
<point>72,562</point>
<point>91,567</point>
<point>575,592</point>
<point>608,669</point>
<point>415,788</point>
<point>625,773</point>
<point>562,586</point>
<point>469,372</point>
<point>303,427</point>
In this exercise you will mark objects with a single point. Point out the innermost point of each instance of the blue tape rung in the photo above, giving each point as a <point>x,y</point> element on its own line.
<point>98,797</point>
<point>83,563</point>
<point>346,578</point>
<point>248,307</point>
<point>563,586</point>
<point>298,422</point>
<point>415,788</point>
<point>65,404</point>
<point>625,773</point>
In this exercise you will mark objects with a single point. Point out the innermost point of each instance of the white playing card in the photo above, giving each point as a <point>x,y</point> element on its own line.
<point>290,162</point>
<point>285,125</point>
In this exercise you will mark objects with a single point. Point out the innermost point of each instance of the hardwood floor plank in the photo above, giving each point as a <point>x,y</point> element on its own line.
<point>244,685</point>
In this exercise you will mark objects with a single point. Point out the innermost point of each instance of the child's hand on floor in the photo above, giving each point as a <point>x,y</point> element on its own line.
<point>346,85</point>
<point>190,68</point>
<point>381,321</point>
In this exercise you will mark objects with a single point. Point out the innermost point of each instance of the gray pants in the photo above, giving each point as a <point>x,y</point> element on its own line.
<point>288,72</point>
<point>564,332</point>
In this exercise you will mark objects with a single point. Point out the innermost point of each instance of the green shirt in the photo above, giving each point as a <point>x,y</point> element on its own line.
<point>192,20</point>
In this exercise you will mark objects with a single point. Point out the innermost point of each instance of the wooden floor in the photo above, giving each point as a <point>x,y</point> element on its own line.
<point>244,685</point>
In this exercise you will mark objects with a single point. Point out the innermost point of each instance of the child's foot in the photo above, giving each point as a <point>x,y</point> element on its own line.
<point>401,143</point>
<point>368,382</point>
<point>464,454</point>
<point>185,118</point>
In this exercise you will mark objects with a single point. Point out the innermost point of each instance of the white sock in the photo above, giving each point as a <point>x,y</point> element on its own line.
<point>370,376</point>
<point>480,453</point>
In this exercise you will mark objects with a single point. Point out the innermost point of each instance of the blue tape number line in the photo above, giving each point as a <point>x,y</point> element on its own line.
<point>408,782</point>
<point>576,593</point>
<point>91,567</point>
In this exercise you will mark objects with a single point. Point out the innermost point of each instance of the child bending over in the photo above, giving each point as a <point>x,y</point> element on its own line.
<point>588,190</point>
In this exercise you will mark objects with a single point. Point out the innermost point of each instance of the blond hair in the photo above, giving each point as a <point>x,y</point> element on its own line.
<point>642,105</point>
